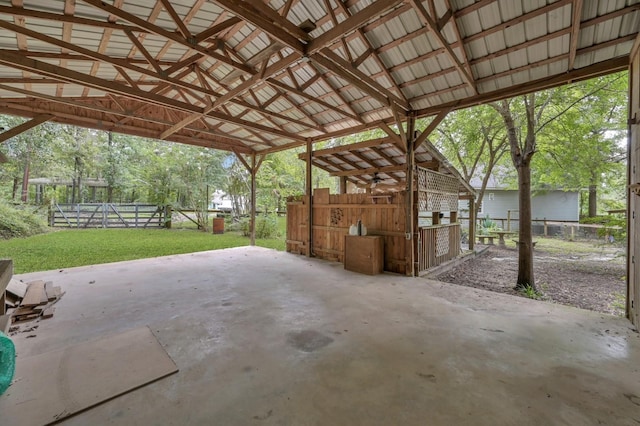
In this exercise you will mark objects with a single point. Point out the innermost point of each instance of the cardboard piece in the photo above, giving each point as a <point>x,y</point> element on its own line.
<point>55,385</point>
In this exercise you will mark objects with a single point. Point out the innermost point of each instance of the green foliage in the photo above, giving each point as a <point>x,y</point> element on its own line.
<point>69,248</point>
<point>530,292</point>
<point>266,227</point>
<point>487,225</point>
<point>18,221</point>
<point>610,223</point>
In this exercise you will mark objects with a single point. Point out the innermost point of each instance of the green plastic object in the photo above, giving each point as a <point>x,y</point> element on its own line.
<point>7,361</point>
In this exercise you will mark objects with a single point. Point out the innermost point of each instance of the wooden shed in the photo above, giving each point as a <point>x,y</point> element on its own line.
<point>416,218</point>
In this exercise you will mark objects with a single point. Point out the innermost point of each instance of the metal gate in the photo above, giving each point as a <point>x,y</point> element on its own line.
<point>106,215</point>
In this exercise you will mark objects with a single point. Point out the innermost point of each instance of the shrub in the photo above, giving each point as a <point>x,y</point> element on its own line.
<point>266,226</point>
<point>18,221</point>
<point>609,222</point>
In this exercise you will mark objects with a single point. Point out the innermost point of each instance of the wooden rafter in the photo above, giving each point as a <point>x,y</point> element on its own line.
<point>463,69</point>
<point>575,31</point>
<point>155,29</point>
<point>21,128</point>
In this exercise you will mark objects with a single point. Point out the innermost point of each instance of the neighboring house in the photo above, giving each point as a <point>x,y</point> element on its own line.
<point>500,202</point>
<point>221,201</point>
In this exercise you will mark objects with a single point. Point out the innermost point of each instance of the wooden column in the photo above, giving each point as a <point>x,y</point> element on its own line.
<point>252,221</point>
<point>309,190</point>
<point>411,216</point>
<point>343,185</point>
<point>472,222</point>
<point>253,171</point>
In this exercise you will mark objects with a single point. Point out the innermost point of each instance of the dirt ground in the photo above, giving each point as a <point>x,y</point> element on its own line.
<point>584,275</point>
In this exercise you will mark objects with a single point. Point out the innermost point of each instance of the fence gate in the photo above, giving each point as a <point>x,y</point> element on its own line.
<point>106,215</point>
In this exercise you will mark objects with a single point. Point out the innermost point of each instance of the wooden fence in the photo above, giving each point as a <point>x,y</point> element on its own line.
<point>437,244</point>
<point>106,215</point>
<point>333,214</point>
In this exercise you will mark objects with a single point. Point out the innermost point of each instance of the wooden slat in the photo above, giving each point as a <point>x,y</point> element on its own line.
<point>36,294</point>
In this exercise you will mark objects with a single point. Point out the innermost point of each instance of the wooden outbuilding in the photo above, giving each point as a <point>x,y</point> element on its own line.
<point>414,209</point>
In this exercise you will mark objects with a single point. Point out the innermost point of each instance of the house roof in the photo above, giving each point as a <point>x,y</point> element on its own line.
<point>262,76</point>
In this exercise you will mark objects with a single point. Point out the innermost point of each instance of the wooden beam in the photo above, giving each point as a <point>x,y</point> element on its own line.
<point>334,63</point>
<point>397,140</point>
<point>237,91</point>
<point>347,148</point>
<point>431,127</point>
<point>155,29</point>
<point>16,60</point>
<point>350,24</point>
<point>287,88</point>
<point>599,69</point>
<point>19,11</point>
<point>371,170</point>
<point>575,30</point>
<point>429,22</point>
<point>182,28</point>
<point>211,31</point>
<point>252,220</point>
<point>21,128</point>
<point>309,191</point>
<point>271,23</point>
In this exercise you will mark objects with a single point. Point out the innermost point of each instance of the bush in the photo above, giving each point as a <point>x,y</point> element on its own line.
<point>609,222</point>
<point>18,221</point>
<point>266,226</point>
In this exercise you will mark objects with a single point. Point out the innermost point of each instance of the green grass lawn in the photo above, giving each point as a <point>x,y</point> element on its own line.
<point>78,247</point>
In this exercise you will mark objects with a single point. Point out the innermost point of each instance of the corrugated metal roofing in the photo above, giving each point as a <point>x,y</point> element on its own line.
<point>248,67</point>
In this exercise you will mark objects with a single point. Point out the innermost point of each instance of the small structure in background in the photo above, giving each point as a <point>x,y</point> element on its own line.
<point>416,222</point>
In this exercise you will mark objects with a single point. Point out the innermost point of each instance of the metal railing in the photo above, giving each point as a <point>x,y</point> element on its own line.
<point>106,215</point>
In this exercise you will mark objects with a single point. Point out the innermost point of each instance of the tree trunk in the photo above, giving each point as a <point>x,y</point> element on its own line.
<point>525,240</point>
<point>25,180</point>
<point>14,192</point>
<point>593,204</point>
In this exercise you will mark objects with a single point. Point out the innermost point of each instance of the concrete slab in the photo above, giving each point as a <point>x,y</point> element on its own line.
<point>271,338</point>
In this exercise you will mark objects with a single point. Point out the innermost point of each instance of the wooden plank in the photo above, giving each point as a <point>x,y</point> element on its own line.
<point>17,288</point>
<point>5,322</point>
<point>49,289</point>
<point>6,272</point>
<point>36,294</point>
<point>48,313</point>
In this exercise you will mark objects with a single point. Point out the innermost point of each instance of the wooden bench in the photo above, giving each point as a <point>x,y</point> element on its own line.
<point>486,237</point>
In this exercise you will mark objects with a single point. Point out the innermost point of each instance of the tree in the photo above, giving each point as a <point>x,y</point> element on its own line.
<point>475,141</point>
<point>582,148</point>
<point>524,118</point>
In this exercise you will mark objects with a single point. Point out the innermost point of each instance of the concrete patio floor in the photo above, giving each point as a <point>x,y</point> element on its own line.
<point>265,337</point>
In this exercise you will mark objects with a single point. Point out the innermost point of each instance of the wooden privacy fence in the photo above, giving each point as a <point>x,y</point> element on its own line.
<point>437,244</point>
<point>106,215</point>
<point>333,214</point>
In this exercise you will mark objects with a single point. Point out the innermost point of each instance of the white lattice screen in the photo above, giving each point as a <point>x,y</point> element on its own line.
<point>437,192</point>
<point>442,241</point>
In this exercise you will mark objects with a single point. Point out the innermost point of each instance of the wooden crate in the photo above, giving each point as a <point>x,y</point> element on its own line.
<point>364,254</point>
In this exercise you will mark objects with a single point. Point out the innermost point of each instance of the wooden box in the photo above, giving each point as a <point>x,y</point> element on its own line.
<point>364,254</point>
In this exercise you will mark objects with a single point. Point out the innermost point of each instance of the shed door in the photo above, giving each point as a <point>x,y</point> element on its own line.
<point>633,261</point>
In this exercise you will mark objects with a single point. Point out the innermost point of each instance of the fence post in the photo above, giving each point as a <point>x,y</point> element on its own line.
<point>136,217</point>
<point>167,216</point>
<point>78,215</point>
<point>546,231</point>
<point>508,220</point>
<point>573,233</point>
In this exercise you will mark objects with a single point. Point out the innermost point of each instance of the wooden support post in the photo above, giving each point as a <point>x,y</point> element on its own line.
<point>309,198</point>
<point>343,185</point>
<point>252,220</point>
<point>508,220</point>
<point>472,223</point>
<point>411,214</point>
<point>546,230</point>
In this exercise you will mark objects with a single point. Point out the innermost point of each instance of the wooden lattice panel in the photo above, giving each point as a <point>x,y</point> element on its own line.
<point>437,192</point>
<point>442,241</point>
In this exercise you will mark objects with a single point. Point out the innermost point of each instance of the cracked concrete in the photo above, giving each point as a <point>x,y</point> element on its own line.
<point>265,337</point>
